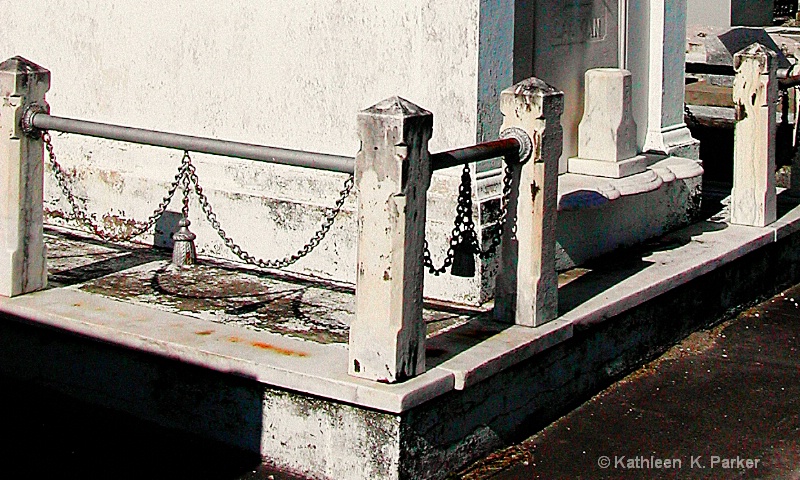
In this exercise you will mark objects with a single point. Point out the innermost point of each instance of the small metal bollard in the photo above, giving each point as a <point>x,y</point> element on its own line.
<point>184,253</point>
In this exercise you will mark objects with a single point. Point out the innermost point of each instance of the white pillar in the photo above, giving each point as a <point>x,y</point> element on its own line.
<point>23,263</point>
<point>755,93</point>
<point>392,175</point>
<point>657,59</point>
<point>526,289</point>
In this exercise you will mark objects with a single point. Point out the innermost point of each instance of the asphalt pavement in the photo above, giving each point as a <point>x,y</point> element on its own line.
<point>724,403</point>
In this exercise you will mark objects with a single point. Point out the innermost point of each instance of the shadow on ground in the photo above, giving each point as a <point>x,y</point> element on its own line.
<point>48,435</point>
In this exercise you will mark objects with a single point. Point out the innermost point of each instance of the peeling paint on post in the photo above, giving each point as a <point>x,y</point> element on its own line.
<point>392,175</point>
<point>23,266</point>
<point>526,289</point>
<point>755,93</point>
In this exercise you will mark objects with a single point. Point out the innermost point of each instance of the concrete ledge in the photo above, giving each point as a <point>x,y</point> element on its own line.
<point>459,356</point>
<point>577,191</point>
<point>272,359</point>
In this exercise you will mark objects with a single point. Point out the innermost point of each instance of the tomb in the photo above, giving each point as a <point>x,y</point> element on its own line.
<point>307,374</point>
<point>301,79</point>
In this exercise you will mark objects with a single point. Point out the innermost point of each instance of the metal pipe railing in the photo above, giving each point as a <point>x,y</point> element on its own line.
<point>177,141</point>
<point>483,151</point>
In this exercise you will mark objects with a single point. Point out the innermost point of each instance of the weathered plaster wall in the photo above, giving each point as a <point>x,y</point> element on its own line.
<point>288,74</point>
<point>496,63</point>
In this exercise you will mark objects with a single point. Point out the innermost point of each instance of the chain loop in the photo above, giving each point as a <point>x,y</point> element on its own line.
<point>327,222</point>
<point>464,227</point>
<point>88,220</point>
<point>185,178</point>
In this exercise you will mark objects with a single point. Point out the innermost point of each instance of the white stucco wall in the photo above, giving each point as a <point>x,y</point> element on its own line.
<point>290,74</point>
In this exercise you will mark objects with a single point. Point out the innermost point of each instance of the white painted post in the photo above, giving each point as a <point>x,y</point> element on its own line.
<point>755,92</point>
<point>23,263</point>
<point>526,289</point>
<point>392,175</point>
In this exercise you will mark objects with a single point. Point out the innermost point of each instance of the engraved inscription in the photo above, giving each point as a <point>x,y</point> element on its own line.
<point>579,22</point>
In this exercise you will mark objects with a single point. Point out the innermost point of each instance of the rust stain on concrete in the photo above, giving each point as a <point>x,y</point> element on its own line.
<point>204,332</point>
<point>279,350</point>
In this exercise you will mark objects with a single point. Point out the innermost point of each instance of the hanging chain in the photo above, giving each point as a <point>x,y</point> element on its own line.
<point>690,115</point>
<point>327,222</point>
<point>187,160</point>
<point>185,178</point>
<point>464,227</point>
<point>88,220</point>
<point>497,238</point>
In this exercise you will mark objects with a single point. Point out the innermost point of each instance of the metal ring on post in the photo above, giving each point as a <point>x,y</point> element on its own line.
<point>26,123</point>
<point>525,143</point>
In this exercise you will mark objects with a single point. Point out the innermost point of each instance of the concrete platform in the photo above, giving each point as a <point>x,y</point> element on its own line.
<point>257,361</point>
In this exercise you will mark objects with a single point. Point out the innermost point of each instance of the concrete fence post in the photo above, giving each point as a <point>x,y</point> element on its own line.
<point>23,263</point>
<point>526,289</point>
<point>755,93</point>
<point>392,175</point>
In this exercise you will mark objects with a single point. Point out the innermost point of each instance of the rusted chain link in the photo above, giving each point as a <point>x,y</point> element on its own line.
<point>327,222</point>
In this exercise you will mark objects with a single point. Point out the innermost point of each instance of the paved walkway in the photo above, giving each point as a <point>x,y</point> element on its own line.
<point>725,403</point>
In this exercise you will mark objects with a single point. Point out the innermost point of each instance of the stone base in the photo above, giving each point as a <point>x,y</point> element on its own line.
<point>619,212</point>
<point>676,140</point>
<point>687,150</point>
<point>610,169</point>
<point>624,212</point>
<point>188,373</point>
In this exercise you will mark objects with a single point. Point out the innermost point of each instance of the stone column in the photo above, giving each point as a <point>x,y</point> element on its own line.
<point>526,290</point>
<point>392,175</point>
<point>23,266</point>
<point>657,59</point>
<point>755,93</point>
